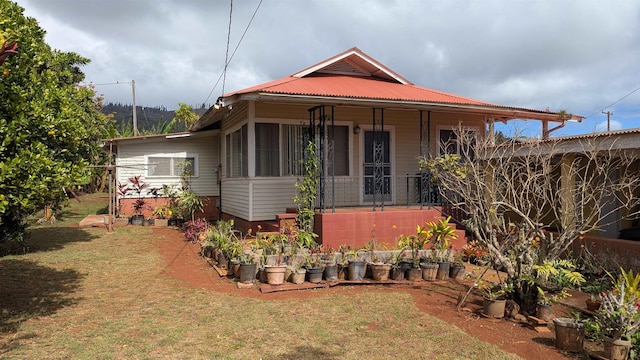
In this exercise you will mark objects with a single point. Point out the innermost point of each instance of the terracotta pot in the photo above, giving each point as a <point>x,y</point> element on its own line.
<point>380,272</point>
<point>593,305</point>
<point>297,276</point>
<point>275,274</point>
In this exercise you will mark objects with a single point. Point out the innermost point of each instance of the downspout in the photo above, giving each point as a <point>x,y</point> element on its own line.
<point>546,131</point>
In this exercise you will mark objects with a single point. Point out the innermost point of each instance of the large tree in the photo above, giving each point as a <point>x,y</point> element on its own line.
<point>528,201</point>
<point>50,126</point>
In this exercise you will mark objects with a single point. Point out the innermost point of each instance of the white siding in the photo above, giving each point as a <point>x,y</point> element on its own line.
<point>235,197</point>
<point>130,160</point>
<point>272,196</point>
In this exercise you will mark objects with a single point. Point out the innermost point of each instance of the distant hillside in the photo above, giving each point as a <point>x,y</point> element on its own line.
<point>149,118</point>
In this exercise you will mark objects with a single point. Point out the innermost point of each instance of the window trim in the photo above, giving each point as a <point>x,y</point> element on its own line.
<point>439,128</point>
<point>305,122</point>
<point>184,155</point>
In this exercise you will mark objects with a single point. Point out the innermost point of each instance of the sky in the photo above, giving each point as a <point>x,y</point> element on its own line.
<point>581,56</point>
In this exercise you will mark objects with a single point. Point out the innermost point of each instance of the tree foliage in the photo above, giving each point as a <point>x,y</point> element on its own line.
<point>527,202</point>
<point>184,115</point>
<point>49,125</point>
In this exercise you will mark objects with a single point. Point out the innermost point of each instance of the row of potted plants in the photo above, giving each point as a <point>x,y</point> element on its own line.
<point>293,251</point>
<point>182,203</point>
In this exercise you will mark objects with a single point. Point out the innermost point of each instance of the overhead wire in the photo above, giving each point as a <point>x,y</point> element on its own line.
<point>226,56</point>
<point>227,62</point>
<point>613,103</point>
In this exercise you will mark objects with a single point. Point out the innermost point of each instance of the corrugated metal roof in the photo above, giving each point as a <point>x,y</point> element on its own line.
<point>356,87</point>
<point>596,135</point>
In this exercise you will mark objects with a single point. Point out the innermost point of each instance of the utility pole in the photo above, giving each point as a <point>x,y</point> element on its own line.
<point>135,118</point>
<point>608,113</point>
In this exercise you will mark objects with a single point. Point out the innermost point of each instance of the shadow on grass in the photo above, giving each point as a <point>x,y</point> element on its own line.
<point>55,238</point>
<point>309,353</point>
<point>30,290</point>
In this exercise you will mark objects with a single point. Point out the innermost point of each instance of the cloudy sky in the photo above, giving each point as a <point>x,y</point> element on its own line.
<point>581,56</point>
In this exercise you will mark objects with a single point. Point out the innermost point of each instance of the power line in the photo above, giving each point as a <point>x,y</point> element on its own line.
<point>226,56</point>
<point>234,52</point>
<point>613,103</point>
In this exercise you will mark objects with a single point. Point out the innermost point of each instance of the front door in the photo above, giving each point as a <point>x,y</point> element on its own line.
<point>376,155</point>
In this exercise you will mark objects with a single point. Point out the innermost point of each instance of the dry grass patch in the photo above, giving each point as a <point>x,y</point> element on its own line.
<point>103,297</point>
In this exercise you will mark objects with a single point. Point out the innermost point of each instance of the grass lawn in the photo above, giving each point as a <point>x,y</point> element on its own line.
<point>84,294</point>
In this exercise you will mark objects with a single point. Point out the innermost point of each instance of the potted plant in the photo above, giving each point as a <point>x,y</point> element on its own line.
<point>494,299</point>
<point>544,310</point>
<point>330,265</point>
<point>594,290</point>
<point>398,265</point>
<point>550,278</point>
<point>162,214</point>
<point>357,266</point>
<point>379,270</point>
<point>457,270</point>
<point>619,317</point>
<point>441,233</point>
<point>248,268</point>
<point>415,243</point>
<point>313,265</point>
<point>137,186</point>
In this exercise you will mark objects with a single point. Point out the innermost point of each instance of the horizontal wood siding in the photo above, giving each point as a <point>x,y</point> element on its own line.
<point>130,161</point>
<point>235,197</point>
<point>272,196</point>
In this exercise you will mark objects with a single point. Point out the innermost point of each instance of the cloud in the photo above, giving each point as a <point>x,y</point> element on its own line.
<point>531,54</point>
<point>614,125</point>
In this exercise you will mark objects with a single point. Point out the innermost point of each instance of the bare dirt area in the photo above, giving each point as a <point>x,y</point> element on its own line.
<point>438,299</point>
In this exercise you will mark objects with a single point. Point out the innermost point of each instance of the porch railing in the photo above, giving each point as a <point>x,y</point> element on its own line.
<point>352,191</point>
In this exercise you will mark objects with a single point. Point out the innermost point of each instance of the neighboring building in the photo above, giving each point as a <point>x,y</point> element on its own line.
<point>370,124</point>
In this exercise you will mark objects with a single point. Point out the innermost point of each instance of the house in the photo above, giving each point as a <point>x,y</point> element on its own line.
<point>370,125</point>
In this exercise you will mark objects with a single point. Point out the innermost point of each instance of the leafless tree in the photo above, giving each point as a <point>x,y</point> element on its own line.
<point>528,200</point>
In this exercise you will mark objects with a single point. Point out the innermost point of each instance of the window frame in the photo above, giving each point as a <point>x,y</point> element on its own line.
<point>305,123</point>
<point>173,157</point>
<point>243,129</point>
<point>439,152</point>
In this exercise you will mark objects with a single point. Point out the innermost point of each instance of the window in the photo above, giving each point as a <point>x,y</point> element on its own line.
<point>267,150</point>
<point>171,165</point>
<point>339,152</point>
<point>236,153</point>
<point>293,149</point>
<point>450,144</point>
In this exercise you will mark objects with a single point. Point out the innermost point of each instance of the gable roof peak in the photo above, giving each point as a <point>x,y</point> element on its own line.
<point>353,62</point>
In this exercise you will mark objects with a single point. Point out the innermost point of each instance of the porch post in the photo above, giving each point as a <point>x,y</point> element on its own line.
<point>333,162</point>
<point>425,147</point>
<point>378,159</point>
<point>567,191</point>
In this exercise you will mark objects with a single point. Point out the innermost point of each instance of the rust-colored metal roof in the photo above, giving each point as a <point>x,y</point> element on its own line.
<point>356,87</point>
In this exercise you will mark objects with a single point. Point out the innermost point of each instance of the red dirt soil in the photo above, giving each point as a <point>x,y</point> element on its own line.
<point>183,263</point>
